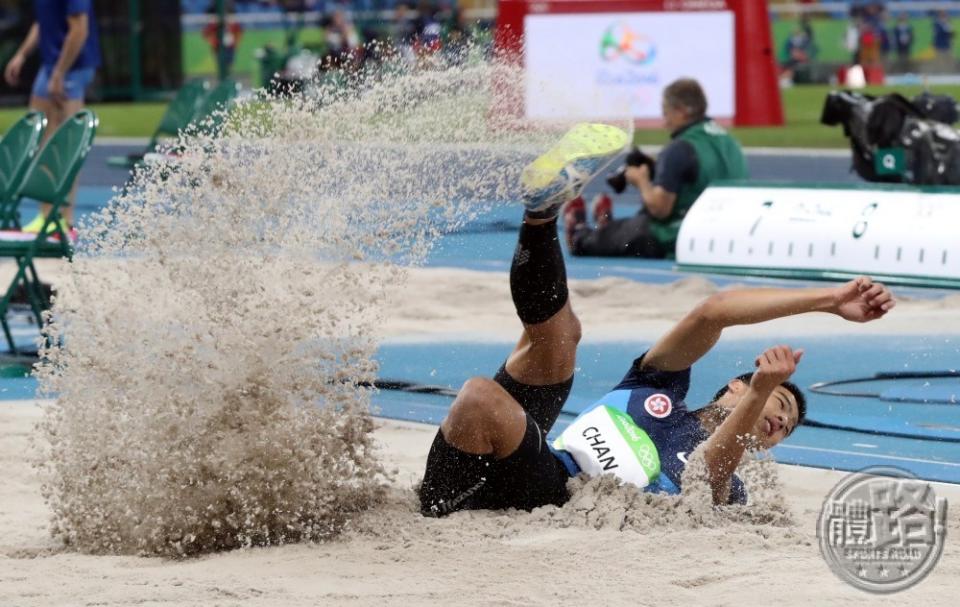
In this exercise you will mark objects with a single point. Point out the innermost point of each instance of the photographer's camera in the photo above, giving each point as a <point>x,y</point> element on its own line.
<point>618,180</point>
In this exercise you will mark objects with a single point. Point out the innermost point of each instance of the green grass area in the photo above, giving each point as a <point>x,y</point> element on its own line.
<point>830,34</point>
<point>116,119</point>
<point>802,130</point>
<point>199,60</point>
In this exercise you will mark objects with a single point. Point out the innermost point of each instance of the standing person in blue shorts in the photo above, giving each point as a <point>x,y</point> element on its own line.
<point>66,33</point>
<point>491,451</point>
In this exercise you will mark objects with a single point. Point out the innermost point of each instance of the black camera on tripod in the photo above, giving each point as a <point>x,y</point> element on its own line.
<point>618,181</point>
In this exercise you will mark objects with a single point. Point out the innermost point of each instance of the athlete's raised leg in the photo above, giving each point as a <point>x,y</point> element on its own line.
<point>499,425</point>
<point>546,351</point>
<point>487,415</point>
<point>487,426</point>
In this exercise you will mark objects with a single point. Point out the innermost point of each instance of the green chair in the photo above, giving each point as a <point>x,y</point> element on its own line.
<point>17,150</point>
<point>213,111</point>
<point>220,98</point>
<point>183,109</point>
<point>49,178</point>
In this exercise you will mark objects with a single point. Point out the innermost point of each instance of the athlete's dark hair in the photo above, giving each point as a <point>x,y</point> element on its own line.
<point>793,388</point>
<point>687,94</point>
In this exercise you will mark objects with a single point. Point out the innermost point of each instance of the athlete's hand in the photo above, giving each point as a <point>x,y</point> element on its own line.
<point>12,73</point>
<point>862,300</point>
<point>774,367</point>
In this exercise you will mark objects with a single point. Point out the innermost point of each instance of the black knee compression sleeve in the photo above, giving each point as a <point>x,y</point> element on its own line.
<point>451,477</point>
<point>538,276</point>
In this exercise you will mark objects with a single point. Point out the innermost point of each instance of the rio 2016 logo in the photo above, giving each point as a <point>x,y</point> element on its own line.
<point>621,41</point>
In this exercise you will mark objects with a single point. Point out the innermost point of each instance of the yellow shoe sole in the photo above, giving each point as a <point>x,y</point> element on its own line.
<point>583,141</point>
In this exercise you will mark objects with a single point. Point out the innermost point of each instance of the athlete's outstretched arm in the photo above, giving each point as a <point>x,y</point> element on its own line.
<point>859,300</point>
<point>726,445</point>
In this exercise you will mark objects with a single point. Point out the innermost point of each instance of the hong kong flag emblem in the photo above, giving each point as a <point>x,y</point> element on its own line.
<point>658,405</point>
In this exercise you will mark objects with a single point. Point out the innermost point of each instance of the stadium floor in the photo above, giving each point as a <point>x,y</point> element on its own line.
<point>849,433</point>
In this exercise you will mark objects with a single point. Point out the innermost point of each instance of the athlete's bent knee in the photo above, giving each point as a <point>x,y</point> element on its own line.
<point>478,416</point>
<point>476,402</point>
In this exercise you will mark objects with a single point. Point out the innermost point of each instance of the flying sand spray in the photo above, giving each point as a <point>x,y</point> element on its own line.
<point>212,340</point>
<point>215,326</point>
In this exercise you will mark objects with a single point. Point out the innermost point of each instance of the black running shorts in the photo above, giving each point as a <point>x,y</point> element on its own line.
<point>531,476</point>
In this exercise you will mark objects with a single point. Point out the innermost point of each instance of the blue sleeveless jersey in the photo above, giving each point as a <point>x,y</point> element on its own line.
<point>655,401</point>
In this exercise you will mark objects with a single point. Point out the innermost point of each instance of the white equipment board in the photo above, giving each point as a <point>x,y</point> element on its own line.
<point>894,233</point>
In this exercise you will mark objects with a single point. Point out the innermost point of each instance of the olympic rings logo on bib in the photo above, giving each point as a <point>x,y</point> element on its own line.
<point>658,405</point>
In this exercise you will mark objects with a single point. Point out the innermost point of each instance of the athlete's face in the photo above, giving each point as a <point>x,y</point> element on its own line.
<point>779,416</point>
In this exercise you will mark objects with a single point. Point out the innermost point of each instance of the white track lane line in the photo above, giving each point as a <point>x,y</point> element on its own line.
<point>873,455</point>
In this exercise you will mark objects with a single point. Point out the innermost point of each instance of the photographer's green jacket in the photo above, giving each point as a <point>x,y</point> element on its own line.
<point>719,156</point>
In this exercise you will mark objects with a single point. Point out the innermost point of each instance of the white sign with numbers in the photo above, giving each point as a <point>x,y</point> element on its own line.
<point>892,232</point>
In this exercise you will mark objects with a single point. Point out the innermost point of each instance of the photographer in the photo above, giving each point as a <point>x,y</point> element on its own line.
<point>701,151</point>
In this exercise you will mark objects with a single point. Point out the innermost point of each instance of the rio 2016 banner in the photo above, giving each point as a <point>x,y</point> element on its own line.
<point>610,65</point>
<point>899,234</point>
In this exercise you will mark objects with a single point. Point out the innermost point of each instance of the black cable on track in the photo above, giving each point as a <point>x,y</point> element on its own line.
<point>822,387</point>
<point>400,385</point>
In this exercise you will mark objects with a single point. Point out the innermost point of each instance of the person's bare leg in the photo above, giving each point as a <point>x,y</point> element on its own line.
<point>50,110</point>
<point>56,114</point>
<point>69,108</point>
<point>546,352</point>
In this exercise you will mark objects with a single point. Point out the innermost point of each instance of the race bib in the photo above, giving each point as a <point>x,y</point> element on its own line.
<point>607,441</point>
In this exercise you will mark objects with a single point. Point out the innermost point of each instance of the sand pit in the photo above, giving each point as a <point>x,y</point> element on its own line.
<point>436,303</point>
<point>392,556</point>
<point>398,558</point>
